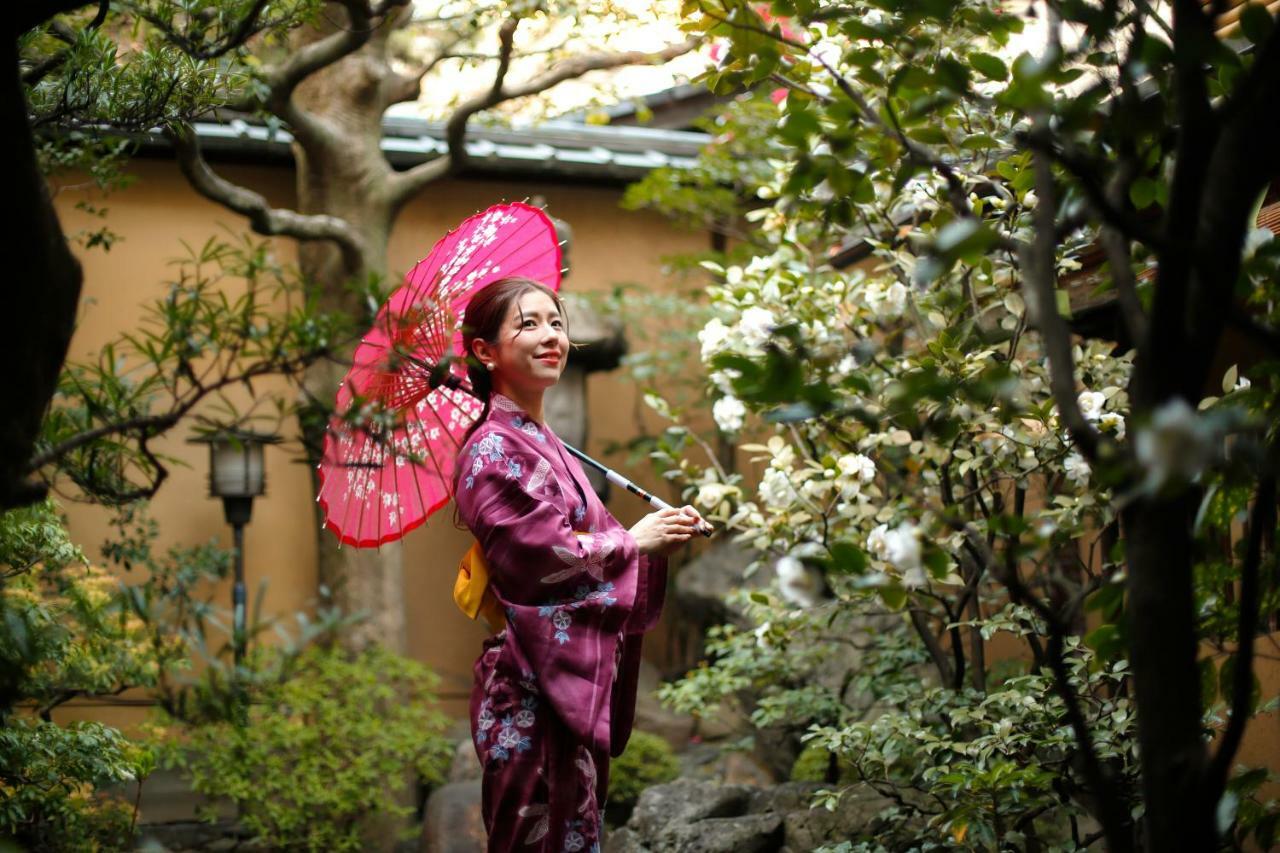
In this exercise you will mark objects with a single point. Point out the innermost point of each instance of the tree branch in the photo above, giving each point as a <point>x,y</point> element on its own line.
<point>1262,519</point>
<point>37,72</point>
<point>33,14</point>
<point>283,79</point>
<point>1109,812</point>
<point>262,217</point>
<point>147,426</point>
<point>403,185</point>
<point>1039,268</point>
<point>919,621</point>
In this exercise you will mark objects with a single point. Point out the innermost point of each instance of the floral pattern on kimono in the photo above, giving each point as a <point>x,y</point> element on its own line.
<point>554,695</point>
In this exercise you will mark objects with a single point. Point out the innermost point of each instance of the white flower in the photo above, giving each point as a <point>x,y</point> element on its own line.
<point>873,18</point>
<point>914,578</point>
<point>762,636</point>
<point>876,542</point>
<point>1242,384</point>
<point>1112,422</point>
<point>1091,404</point>
<point>711,495</point>
<point>858,466</point>
<point>895,298</point>
<point>775,488</point>
<point>1077,469</point>
<point>902,547</point>
<point>723,379</point>
<point>712,337</point>
<point>795,582</point>
<point>729,413</point>
<point>1177,445</point>
<point>756,326</point>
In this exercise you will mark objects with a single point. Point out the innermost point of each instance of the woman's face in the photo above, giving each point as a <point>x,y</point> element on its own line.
<point>532,345</point>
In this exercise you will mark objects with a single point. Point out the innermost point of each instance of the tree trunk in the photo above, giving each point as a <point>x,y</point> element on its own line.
<point>41,300</point>
<point>345,176</point>
<point>1166,681</point>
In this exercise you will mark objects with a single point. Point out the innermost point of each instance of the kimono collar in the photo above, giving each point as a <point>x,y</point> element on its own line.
<point>502,403</point>
<point>519,419</point>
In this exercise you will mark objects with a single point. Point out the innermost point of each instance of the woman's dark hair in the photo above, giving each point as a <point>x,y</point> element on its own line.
<point>485,313</point>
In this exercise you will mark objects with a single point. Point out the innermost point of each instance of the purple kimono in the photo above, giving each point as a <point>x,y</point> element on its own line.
<point>554,694</point>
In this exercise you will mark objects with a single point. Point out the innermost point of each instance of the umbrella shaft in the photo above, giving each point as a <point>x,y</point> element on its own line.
<point>618,480</point>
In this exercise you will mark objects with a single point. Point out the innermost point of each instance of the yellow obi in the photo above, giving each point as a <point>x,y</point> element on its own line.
<point>471,590</point>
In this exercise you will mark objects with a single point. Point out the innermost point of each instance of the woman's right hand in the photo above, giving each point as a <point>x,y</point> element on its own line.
<point>661,533</point>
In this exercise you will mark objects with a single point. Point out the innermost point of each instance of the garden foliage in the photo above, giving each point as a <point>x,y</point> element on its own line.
<point>949,475</point>
<point>321,751</point>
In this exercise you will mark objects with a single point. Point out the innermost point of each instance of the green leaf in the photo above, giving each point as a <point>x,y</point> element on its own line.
<point>989,66</point>
<point>930,135</point>
<point>893,596</point>
<point>848,558</point>
<point>1107,640</point>
<point>1143,192</point>
<point>963,237</point>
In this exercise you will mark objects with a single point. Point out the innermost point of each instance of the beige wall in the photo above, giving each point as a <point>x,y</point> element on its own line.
<point>158,211</point>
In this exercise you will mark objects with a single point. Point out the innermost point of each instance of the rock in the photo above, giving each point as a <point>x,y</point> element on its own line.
<point>710,762</point>
<point>675,804</point>
<point>623,841</point>
<point>651,717</point>
<point>465,766</point>
<point>777,748</point>
<point>785,798</point>
<point>452,823</point>
<point>806,829</point>
<point>703,584</point>
<point>726,720</point>
<point>746,834</point>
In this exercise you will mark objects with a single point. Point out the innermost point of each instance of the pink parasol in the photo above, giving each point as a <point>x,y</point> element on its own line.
<point>392,443</point>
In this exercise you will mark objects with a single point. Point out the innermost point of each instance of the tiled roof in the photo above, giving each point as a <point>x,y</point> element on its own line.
<point>553,148</point>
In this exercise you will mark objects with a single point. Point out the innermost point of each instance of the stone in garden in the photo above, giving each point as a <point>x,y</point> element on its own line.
<point>623,840</point>
<point>465,767</point>
<point>651,717</point>
<point>807,829</point>
<point>664,807</point>
<point>785,798</point>
<point>745,834</point>
<point>703,584</point>
<point>452,823</point>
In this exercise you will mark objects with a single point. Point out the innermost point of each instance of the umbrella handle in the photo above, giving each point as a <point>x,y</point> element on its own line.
<point>618,480</point>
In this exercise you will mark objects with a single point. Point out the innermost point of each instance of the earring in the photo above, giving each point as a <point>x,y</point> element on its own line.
<point>488,367</point>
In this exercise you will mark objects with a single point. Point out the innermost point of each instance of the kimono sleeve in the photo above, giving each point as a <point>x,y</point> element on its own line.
<point>651,593</point>
<point>567,595</point>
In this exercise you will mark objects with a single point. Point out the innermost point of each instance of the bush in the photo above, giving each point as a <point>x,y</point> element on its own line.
<point>813,764</point>
<point>323,749</point>
<point>50,795</point>
<point>648,760</point>
<point>65,631</point>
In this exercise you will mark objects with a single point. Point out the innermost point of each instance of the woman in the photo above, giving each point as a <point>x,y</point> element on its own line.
<point>554,694</point>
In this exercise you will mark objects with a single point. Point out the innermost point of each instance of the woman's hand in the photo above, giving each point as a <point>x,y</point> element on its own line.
<point>661,533</point>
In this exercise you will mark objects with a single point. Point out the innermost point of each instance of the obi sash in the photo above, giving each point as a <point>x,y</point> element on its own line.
<point>471,591</point>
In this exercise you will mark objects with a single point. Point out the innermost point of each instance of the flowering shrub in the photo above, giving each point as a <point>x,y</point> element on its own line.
<point>948,442</point>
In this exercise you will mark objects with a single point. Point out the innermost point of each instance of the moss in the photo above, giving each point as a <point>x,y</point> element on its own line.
<point>648,760</point>
<point>813,764</point>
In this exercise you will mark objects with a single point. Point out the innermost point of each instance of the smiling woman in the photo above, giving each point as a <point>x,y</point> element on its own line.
<point>569,588</point>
